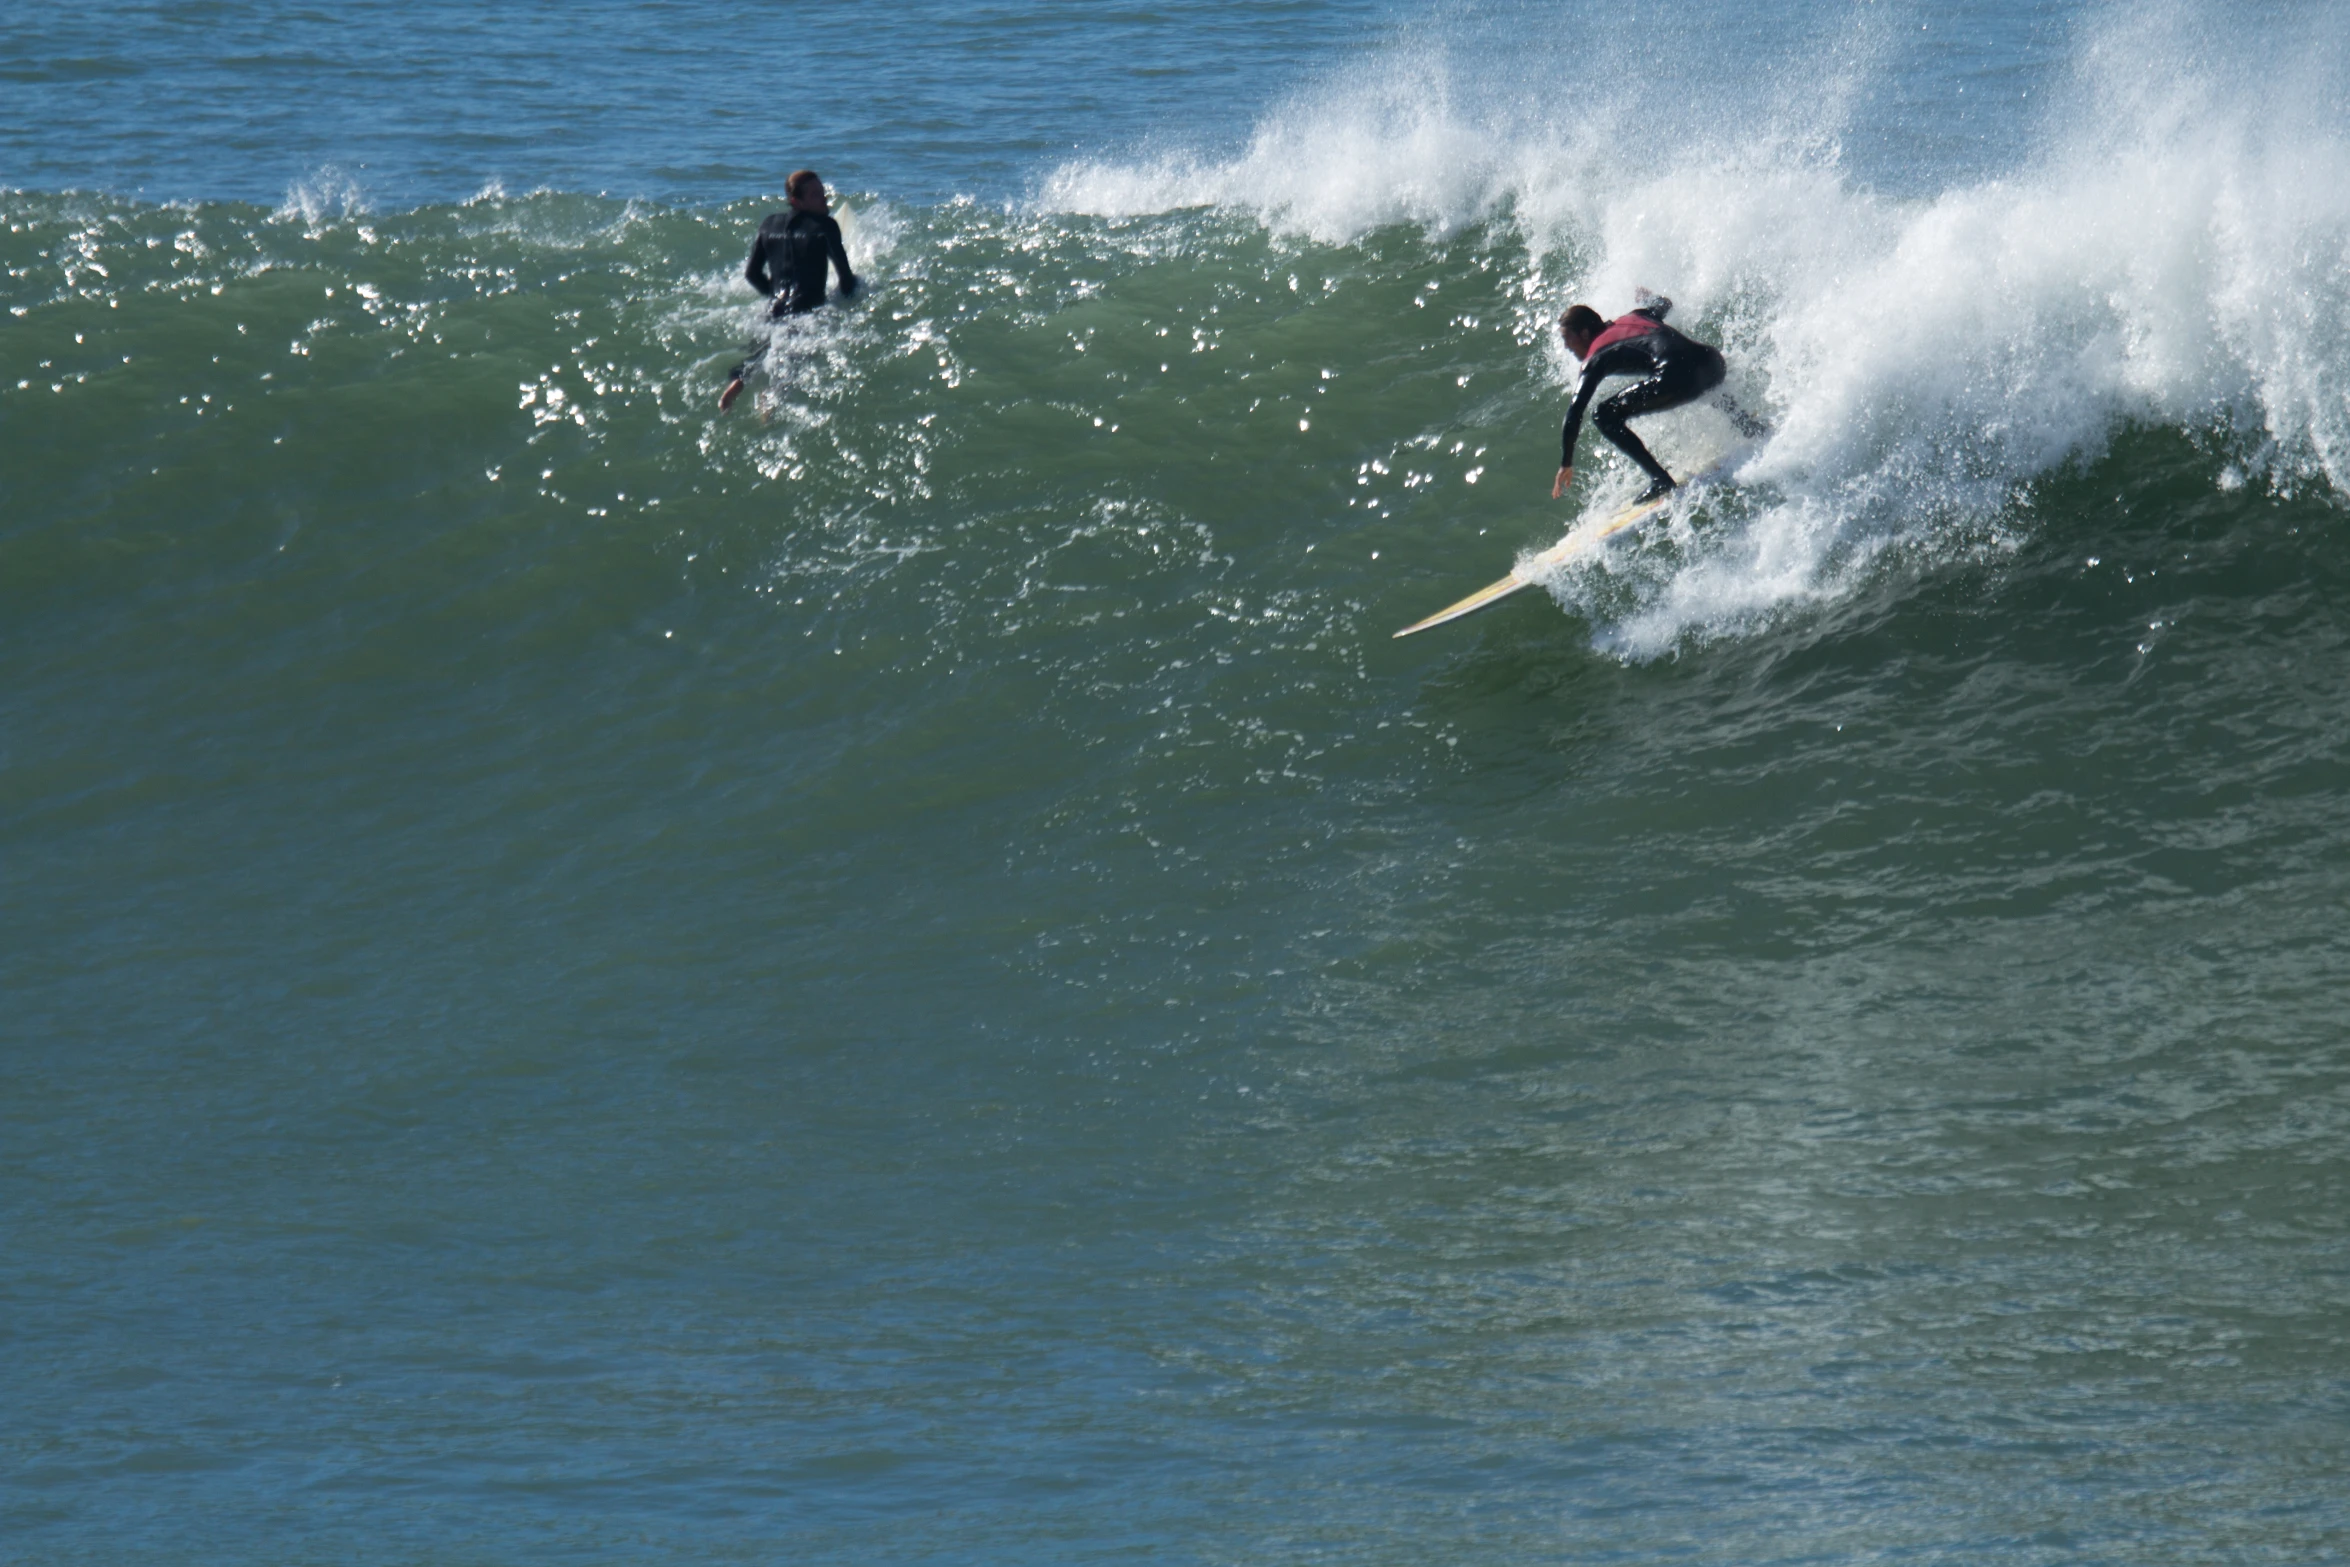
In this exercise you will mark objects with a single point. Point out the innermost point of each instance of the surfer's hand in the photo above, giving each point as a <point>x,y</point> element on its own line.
<point>734,389</point>
<point>1558,486</point>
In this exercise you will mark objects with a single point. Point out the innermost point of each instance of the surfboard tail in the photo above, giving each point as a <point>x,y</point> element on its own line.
<point>1527,574</point>
<point>1579,542</point>
<point>1470,605</point>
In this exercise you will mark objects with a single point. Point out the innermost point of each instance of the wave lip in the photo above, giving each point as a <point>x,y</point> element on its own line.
<point>2169,248</point>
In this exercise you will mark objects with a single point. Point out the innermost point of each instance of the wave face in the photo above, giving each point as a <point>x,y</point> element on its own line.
<point>2165,251</point>
<point>2168,255</point>
<point>911,971</point>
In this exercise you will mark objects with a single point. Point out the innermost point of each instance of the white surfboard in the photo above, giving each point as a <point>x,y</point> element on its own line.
<point>1579,541</point>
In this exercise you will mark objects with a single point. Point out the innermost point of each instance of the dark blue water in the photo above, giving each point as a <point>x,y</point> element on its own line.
<point>687,100</point>
<point>911,973</point>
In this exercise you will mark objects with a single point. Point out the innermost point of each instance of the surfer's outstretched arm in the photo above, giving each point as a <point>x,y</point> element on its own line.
<point>1626,358</point>
<point>1572,429</point>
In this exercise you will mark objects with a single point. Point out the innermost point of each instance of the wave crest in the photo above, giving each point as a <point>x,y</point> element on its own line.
<point>2168,244</point>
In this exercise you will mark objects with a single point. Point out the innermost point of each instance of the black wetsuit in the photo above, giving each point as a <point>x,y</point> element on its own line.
<point>787,265</point>
<point>1671,370</point>
<point>791,251</point>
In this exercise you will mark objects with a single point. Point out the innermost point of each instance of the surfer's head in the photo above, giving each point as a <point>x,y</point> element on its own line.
<point>1579,326</point>
<point>806,190</point>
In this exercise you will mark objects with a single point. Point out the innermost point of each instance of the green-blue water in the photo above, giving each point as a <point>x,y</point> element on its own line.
<point>910,973</point>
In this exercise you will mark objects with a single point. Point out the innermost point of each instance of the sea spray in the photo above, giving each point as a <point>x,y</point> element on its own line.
<point>907,973</point>
<point>2169,251</point>
<point>1358,302</point>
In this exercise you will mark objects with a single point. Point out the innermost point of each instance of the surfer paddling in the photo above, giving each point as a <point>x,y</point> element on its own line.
<point>1672,370</point>
<point>787,264</point>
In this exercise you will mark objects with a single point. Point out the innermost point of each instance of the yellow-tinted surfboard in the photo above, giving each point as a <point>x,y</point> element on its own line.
<point>1536,567</point>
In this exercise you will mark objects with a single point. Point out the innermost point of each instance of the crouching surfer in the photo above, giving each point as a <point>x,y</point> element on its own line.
<point>1671,370</point>
<point>787,265</point>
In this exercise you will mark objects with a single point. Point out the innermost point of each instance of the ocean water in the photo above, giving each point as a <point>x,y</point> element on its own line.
<point>910,973</point>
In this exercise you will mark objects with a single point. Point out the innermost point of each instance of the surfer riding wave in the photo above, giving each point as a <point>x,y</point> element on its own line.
<point>1672,370</point>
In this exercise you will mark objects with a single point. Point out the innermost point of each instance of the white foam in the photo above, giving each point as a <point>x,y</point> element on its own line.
<point>326,194</point>
<point>870,231</point>
<point>2171,249</point>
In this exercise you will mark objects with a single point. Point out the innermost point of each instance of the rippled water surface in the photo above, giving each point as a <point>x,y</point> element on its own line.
<point>911,973</point>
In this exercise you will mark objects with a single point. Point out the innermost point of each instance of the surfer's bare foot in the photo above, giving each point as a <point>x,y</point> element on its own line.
<point>734,389</point>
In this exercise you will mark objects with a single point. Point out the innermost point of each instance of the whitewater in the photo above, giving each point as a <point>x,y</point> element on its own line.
<point>909,971</point>
<point>2167,251</point>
